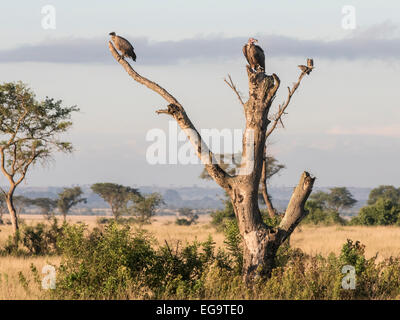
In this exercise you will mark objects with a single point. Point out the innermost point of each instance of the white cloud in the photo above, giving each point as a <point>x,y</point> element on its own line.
<point>369,43</point>
<point>388,131</point>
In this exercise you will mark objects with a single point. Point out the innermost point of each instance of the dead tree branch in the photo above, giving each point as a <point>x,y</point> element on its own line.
<point>176,110</point>
<point>233,87</point>
<point>295,211</point>
<point>282,107</point>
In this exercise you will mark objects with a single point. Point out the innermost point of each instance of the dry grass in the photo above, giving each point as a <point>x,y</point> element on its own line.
<point>311,239</point>
<point>382,240</point>
<point>11,287</point>
<point>164,229</point>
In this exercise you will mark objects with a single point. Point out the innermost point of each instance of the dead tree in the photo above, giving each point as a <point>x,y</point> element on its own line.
<point>260,241</point>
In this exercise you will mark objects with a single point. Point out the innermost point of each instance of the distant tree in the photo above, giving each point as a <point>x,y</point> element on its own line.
<point>382,212</point>
<point>186,217</point>
<point>219,218</point>
<point>340,198</point>
<point>46,206</point>
<point>320,199</point>
<point>68,198</point>
<point>385,192</point>
<point>337,199</point>
<point>29,134</point>
<point>20,203</point>
<point>116,195</point>
<point>144,207</point>
<point>317,214</point>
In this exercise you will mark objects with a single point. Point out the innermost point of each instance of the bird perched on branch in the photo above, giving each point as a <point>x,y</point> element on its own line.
<point>308,68</point>
<point>123,46</point>
<point>254,55</point>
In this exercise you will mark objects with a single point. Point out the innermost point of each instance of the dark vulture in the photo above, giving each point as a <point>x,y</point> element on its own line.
<point>254,55</point>
<point>123,46</point>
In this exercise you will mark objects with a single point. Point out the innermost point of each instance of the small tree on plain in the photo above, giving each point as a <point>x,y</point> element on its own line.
<point>116,195</point>
<point>186,216</point>
<point>337,199</point>
<point>30,132</point>
<point>68,198</point>
<point>46,206</point>
<point>383,212</point>
<point>21,202</point>
<point>144,207</point>
<point>385,192</point>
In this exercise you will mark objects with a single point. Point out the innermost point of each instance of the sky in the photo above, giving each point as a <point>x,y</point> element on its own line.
<point>342,125</point>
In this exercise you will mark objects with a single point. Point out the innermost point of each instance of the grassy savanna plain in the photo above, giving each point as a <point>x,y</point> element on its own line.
<point>383,241</point>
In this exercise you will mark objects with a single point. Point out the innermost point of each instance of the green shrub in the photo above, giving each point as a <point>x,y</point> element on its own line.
<point>233,242</point>
<point>188,217</point>
<point>40,239</point>
<point>220,217</point>
<point>183,222</point>
<point>103,220</point>
<point>102,263</point>
<point>318,215</point>
<point>382,212</point>
<point>116,262</point>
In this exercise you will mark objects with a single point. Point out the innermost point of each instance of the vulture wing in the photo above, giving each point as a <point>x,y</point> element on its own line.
<point>245,53</point>
<point>125,47</point>
<point>257,57</point>
<point>260,56</point>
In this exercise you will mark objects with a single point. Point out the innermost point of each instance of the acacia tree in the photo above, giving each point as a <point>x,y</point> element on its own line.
<point>116,195</point>
<point>144,207</point>
<point>46,206</point>
<point>260,241</point>
<point>29,134</point>
<point>386,192</point>
<point>337,199</point>
<point>69,198</point>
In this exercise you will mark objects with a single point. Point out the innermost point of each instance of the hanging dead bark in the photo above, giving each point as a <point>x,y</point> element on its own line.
<point>260,241</point>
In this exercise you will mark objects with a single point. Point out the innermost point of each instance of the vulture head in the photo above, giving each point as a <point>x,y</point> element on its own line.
<point>252,41</point>
<point>112,33</point>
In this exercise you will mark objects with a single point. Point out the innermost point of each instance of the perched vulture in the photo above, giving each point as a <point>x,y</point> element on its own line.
<point>123,46</point>
<point>304,68</point>
<point>254,55</point>
<point>308,68</point>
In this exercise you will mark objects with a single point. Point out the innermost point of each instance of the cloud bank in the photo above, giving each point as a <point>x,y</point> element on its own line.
<point>372,43</point>
<point>387,131</point>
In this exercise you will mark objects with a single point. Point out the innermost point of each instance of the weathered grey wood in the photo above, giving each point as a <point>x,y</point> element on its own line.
<point>260,241</point>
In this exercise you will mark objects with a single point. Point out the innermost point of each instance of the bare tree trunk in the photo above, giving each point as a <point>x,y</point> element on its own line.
<point>11,210</point>
<point>13,213</point>
<point>261,242</point>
